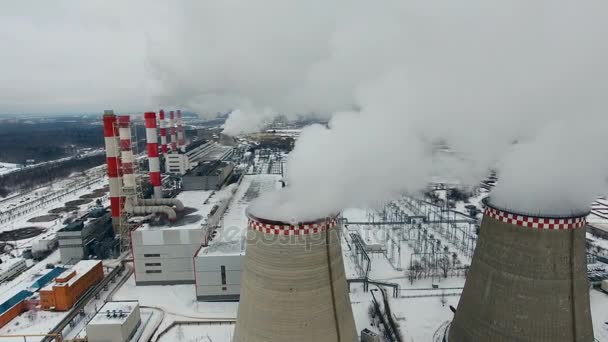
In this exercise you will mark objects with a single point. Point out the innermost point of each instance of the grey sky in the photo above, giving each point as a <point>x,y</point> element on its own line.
<point>69,56</point>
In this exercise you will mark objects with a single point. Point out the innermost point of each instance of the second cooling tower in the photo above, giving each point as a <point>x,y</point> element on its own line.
<point>527,281</point>
<point>294,286</point>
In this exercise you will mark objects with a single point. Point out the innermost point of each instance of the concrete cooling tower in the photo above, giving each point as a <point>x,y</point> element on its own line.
<point>527,281</point>
<point>293,285</point>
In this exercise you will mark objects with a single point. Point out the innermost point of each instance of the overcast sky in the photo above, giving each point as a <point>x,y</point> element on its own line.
<point>71,56</point>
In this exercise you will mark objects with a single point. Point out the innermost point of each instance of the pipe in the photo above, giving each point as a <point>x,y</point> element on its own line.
<point>179,206</point>
<point>152,146</point>
<point>141,210</point>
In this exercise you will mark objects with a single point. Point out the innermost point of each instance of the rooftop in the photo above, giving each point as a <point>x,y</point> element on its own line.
<point>10,263</point>
<point>114,308</point>
<point>229,238</point>
<point>208,168</point>
<point>198,204</point>
<point>79,269</point>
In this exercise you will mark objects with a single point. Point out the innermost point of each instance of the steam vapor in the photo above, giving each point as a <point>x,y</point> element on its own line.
<point>515,85</point>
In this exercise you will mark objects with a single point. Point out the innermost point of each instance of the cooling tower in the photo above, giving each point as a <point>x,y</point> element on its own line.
<point>527,281</point>
<point>293,285</point>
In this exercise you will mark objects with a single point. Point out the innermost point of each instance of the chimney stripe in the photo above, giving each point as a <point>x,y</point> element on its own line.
<point>535,222</point>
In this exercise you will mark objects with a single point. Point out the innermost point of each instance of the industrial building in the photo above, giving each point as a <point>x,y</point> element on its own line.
<point>13,307</point>
<point>114,322</point>
<point>527,280</point>
<point>9,268</point>
<point>219,262</point>
<point>78,239</point>
<point>17,304</point>
<point>163,251</point>
<point>180,162</point>
<point>70,285</point>
<point>207,175</point>
<point>294,286</point>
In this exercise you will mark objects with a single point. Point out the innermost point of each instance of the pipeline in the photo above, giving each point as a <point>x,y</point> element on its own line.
<point>179,206</point>
<point>140,206</point>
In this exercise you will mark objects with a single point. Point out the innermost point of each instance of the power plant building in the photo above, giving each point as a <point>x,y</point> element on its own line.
<point>207,175</point>
<point>70,285</point>
<point>163,252</point>
<point>527,280</point>
<point>179,162</point>
<point>218,264</point>
<point>294,285</point>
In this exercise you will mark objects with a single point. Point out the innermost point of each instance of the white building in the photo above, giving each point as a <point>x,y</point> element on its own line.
<point>9,268</point>
<point>114,322</point>
<point>218,265</point>
<point>163,254</point>
<point>180,162</point>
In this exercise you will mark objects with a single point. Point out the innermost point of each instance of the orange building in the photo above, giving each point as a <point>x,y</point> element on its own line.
<point>70,285</point>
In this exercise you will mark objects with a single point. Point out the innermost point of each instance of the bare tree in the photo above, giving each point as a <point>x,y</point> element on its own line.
<point>445,264</point>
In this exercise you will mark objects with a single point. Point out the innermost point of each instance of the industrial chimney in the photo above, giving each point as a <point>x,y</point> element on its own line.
<point>163,132</point>
<point>293,285</point>
<point>181,141</point>
<point>152,146</point>
<point>110,133</point>
<point>172,131</point>
<point>527,281</point>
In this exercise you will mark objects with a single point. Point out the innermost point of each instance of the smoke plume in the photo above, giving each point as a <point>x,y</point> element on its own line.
<point>518,86</point>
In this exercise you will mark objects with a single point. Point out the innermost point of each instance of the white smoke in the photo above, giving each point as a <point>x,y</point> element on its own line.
<point>400,78</point>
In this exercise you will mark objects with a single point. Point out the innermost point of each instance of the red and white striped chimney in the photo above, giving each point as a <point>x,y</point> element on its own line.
<point>163,132</point>
<point>172,131</point>
<point>180,130</point>
<point>110,134</point>
<point>126,153</point>
<point>152,145</point>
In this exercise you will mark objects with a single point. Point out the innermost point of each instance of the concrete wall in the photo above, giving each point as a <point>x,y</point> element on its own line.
<point>286,290</point>
<point>172,248</point>
<point>525,284</point>
<point>208,277</point>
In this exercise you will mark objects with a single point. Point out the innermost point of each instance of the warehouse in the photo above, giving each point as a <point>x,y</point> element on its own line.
<point>163,253</point>
<point>218,265</point>
<point>208,175</point>
<point>114,322</point>
<point>70,285</point>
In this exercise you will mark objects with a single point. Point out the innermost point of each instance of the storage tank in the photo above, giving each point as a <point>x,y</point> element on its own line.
<point>293,285</point>
<point>527,281</point>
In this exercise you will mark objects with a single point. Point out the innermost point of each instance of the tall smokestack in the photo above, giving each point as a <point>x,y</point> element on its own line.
<point>126,153</point>
<point>527,281</point>
<point>180,130</point>
<point>293,285</point>
<point>172,131</point>
<point>152,145</point>
<point>110,134</point>
<point>163,132</point>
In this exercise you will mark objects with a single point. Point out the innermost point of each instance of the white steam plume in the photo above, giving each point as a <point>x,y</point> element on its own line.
<point>400,77</point>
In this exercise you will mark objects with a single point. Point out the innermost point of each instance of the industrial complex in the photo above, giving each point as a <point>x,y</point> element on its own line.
<point>163,244</point>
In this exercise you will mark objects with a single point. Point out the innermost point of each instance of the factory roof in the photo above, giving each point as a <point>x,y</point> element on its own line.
<point>114,312</point>
<point>70,276</point>
<point>201,201</point>
<point>208,168</point>
<point>229,238</point>
<point>8,264</point>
